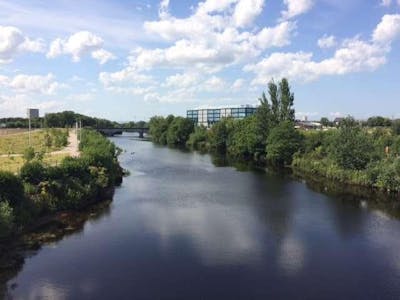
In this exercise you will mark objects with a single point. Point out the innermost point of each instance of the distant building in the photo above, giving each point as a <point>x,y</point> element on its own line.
<point>308,125</point>
<point>209,116</point>
<point>337,121</point>
<point>32,113</point>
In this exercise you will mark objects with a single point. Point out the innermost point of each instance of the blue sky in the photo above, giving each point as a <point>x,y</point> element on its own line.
<point>130,60</point>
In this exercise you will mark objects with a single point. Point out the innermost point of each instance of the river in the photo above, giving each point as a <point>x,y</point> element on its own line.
<point>181,228</point>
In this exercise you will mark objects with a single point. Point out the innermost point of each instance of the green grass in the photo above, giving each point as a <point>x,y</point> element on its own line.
<point>14,163</point>
<point>17,143</point>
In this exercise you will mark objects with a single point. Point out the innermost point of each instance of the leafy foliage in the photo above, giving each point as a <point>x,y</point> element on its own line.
<point>283,141</point>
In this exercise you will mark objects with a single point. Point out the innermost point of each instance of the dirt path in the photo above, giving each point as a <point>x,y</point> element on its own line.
<point>73,145</point>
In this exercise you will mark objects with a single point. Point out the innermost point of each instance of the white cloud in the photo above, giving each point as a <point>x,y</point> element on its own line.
<point>386,2</point>
<point>296,7</point>
<point>40,84</point>
<point>16,105</point>
<point>127,75</point>
<point>238,84</point>
<point>78,45</point>
<point>182,80</point>
<point>212,37</point>
<point>214,84</point>
<point>82,97</point>
<point>388,29</point>
<point>13,41</point>
<point>246,11</point>
<point>354,55</point>
<point>327,42</point>
<point>103,56</point>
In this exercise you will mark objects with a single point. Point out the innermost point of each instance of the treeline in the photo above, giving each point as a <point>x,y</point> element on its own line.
<point>352,153</point>
<point>269,134</point>
<point>40,189</point>
<point>67,119</point>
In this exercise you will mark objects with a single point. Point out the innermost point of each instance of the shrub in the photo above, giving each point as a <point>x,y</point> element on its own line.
<point>6,218</point>
<point>11,189</point>
<point>29,154</point>
<point>283,141</point>
<point>33,172</point>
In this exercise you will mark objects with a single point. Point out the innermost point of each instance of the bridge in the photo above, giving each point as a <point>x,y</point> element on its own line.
<point>118,131</point>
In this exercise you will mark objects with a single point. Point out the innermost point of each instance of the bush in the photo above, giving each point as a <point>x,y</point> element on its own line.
<point>179,131</point>
<point>33,172</point>
<point>29,154</point>
<point>11,189</point>
<point>283,141</point>
<point>6,218</point>
<point>351,147</point>
<point>198,139</point>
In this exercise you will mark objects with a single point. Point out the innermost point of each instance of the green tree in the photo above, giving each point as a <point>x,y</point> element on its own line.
<point>283,141</point>
<point>263,119</point>
<point>325,122</point>
<point>219,135</point>
<point>179,131</point>
<point>351,147</point>
<point>198,139</point>
<point>243,141</point>
<point>287,113</point>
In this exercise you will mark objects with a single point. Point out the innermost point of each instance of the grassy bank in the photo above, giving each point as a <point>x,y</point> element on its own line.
<point>41,189</point>
<point>41,141</point>
<point>14,164</point>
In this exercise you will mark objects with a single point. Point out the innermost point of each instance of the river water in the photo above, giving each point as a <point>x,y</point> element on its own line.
<point>181,228</point>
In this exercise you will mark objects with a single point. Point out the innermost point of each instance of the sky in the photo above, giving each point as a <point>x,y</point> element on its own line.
<point>131,59</point>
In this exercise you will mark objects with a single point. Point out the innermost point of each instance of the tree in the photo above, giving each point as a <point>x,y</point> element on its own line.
<point>351,147</point>
<point>179,131</point>
<point>263,120</point>
<point>325,122</point>
<point>243,141</point>
<point>283,141</point>
<point>286,101</point>
<point>198,139</point>
<point>219,135</point>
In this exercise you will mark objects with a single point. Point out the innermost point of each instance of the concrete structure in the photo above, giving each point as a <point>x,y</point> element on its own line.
<point>32,113</point>
<point>209,116</point>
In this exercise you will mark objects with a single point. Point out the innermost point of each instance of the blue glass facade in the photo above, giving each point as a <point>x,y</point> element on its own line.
<point>208,117</point>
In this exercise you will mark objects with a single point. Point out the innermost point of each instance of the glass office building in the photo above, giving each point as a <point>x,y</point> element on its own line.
<point>208,117</point>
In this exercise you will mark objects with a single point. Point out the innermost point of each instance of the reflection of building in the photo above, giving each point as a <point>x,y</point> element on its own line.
<point>207,116</point>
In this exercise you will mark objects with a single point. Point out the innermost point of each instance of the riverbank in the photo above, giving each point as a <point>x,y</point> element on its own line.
<point>48,229</point>
<point>40,190</point>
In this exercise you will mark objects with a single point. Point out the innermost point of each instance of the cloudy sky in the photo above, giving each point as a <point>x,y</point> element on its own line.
<point>131,59</point>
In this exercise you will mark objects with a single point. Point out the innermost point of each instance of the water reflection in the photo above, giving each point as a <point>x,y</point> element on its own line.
<point>219,235</point>
<point>182,228</point>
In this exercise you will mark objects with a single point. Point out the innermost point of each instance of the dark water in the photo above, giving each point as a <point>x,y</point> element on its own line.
<point>181,228</point>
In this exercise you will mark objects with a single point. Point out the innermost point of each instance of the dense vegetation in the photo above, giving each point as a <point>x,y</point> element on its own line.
<point>40,189</point>
<point>359,153</point>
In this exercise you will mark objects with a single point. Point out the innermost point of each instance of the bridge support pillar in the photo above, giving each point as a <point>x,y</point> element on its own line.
<point>141,134</point>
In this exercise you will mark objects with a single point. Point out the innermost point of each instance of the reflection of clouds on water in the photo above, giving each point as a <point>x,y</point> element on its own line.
<point>385,237</point>
<point>220,235</point>
<point>47,290</point>
<point>291,255</point>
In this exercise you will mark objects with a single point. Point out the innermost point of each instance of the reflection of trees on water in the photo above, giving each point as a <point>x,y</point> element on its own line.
<point>13,254</point>
<point>357,196</point>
